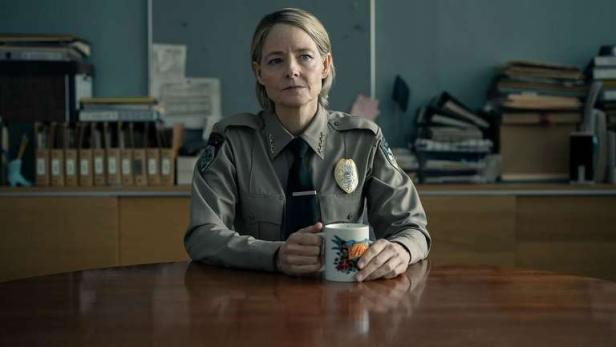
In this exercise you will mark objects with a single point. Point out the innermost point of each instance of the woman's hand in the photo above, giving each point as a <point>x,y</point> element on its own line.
<point>383,259</point>
<point>300,254</point>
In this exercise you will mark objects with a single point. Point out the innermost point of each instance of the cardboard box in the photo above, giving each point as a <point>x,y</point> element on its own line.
<point>167,167</point>
<point>536,151</point>
<point>42,167</point>
<point>126,165</point>
<point>153,166</point>
<point>98,157</point>
<point>70,167</point>
<point>57,167</point>
<point>86,174</point>
<point>114,174</point>
<point>139,167</point>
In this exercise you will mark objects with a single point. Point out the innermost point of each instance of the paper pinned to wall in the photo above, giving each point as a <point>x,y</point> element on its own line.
<point>168,66</point>
<point>365,107</point>
<point>194,102</point>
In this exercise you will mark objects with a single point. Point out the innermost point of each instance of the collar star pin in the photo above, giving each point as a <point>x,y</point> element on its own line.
<point>346,175</point>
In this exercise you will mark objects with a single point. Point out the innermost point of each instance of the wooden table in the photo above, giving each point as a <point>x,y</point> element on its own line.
<point>178,304</point>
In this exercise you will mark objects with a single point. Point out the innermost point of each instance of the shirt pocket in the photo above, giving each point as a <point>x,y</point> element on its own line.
<point>263,216</point>
<point>341,207</point>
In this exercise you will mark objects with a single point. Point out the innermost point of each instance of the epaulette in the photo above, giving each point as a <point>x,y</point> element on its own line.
<point>238,120</point>
<point>344,122</point>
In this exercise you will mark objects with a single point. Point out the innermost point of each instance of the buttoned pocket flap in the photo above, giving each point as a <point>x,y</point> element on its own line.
<point>264,213</point>
<point>340,207</point>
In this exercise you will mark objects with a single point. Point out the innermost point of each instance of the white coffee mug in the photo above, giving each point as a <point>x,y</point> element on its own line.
<point>343,245</point>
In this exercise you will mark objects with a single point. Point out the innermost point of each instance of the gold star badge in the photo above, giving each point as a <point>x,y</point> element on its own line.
<point>346,175</point>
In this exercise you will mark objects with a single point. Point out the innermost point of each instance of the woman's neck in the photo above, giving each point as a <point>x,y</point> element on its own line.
<point>296,119</point>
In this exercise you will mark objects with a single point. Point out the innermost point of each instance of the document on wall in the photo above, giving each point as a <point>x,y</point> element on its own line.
<point>194,102</point>
<point>365,107</point>
<point>168,66</point>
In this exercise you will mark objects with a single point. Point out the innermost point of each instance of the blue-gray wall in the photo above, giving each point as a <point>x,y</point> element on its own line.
<point>433,44</point>
<point>456,45</point>
<point>117,30</point>
<point>218,36</point>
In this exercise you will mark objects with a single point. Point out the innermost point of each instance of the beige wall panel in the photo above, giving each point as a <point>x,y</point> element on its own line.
<point>472,230</point>
<point>152,229</point>
<point>44,235</point>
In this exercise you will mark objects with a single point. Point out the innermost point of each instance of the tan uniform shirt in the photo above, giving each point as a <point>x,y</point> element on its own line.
<point>238,189</point>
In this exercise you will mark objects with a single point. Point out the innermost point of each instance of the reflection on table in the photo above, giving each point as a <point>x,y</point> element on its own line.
<point>195,304</point>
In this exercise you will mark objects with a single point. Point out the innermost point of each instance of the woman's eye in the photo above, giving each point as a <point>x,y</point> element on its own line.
<point>274,61</point>
<point>306,57</point>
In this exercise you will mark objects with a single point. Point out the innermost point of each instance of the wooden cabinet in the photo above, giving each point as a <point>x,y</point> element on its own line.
<point>575,234</point>
<point>567,229</point>
<point>43,235</point>
<point>152,229</point>
<point>45,231</point>
<point>471,230</point>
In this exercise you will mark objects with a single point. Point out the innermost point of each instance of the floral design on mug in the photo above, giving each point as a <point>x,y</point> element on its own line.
<point>348,253</point>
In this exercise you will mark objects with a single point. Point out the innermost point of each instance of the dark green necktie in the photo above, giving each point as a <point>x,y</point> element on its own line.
<point>302,207</point>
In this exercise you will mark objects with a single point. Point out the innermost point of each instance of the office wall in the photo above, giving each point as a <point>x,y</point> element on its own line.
<point>117,30</point>
<point>433,44</point>
<point>218,36</point>
<point>456,45</point>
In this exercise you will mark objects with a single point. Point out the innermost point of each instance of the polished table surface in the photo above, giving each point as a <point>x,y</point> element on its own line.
<point>179,304</point>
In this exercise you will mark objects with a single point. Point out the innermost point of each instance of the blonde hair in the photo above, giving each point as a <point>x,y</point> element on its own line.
<point>309,24</point>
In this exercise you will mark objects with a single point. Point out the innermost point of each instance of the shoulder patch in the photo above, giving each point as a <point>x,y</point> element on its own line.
<point>238,120</point>
<point>388,153</point>
<point>209,153</point>
<point>345,122</point>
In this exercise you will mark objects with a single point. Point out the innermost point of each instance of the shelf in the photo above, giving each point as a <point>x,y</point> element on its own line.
<point>504,189</point>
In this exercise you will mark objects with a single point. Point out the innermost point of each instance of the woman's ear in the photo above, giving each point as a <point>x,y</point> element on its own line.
<point>256,69</point>
<point>327,62</point>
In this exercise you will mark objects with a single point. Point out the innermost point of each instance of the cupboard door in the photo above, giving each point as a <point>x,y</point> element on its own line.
<point>570,234</point>
<point>471,230</point>
<point>152,229</point>
<point>45,235</point>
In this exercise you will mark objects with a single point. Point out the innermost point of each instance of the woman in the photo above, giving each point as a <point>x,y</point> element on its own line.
<point>267,183</point>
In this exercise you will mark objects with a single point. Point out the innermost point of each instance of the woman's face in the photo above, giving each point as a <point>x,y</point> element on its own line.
<point>291,68</point>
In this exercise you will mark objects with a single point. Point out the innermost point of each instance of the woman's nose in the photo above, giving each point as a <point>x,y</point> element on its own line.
<point>292,68</point>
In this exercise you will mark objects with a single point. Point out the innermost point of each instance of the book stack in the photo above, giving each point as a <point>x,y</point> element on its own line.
<point>43,47</point>
<point>600,115</point>
<point>539,104</point>
<point>523,86</point>
<point>453,143</point>
<point>120,109</point>
<point>603,68</point>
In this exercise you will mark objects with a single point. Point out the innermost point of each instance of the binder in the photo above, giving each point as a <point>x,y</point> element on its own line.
<point>98,156</point>
<point>4,151</point>
<point>42,155</point>
<point>153,154</point>
<point>139,153</point>
<point>86,176</point>
<point>171,140</point>
<point>70,156</point>
<point>126,144</point>
<point>112,152</point>
<point>56,154</point>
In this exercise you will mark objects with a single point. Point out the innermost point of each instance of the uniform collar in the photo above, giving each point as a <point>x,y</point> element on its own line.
<point>277,136</point>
